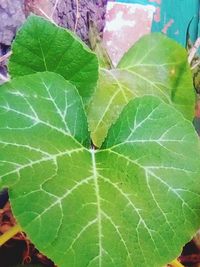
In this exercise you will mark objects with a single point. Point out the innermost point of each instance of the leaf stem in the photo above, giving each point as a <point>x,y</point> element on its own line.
<point>195,65</point>
<point>194,50</point>
<point>54,8</point>
<point>77,16</point>
<point>4,78</point>
<point>9,234</point>
<point>176,263</point>
<point>6,56</point>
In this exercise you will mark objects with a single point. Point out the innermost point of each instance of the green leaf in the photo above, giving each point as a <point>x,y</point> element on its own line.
<point>133,203</point>
<point>42,46</point>
<point>155,65</point>
<point>37,113</point>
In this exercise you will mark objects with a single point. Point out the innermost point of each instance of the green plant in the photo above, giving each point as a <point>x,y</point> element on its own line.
<point>128,193</point>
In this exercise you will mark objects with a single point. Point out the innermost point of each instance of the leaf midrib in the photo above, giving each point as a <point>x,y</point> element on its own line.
<point>99,211</point>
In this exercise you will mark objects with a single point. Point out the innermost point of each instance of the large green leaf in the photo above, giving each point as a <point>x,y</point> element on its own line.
<point>42,46</point>
<point>133,203</point>
<point>155,65</point>
<point>38,112</point>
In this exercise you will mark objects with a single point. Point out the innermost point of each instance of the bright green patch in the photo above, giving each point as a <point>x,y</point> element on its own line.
<point>133,203</point>
<point>155,65</point>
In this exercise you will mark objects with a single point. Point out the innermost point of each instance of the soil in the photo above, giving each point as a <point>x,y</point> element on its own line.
<point>21,249</point>
<point>74,14</point>
<point>11,17</point>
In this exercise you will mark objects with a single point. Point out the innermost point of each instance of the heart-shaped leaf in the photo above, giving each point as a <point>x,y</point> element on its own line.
<point>133,203</point>
<point>47,47</point>
<point>155,65</point>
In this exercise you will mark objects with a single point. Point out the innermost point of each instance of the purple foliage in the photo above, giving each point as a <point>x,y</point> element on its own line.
<point>67,14</point>
<point>75,15</point>
<point>11,17</point>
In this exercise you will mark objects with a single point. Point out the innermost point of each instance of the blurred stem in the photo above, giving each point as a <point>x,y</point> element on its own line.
<point>10,234</point>
<point>4,78</point>
<point>77,16</point>
<point>195,65</point>
<point>6,56</point>
<point>194,50</point>
<point>176,263</point>
<point>96,44</point>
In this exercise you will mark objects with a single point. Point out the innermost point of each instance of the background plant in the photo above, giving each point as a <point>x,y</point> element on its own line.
<point>113,206</point>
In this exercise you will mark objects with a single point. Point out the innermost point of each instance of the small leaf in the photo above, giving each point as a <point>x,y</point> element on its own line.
<point>134,203</point>
<point>155,65</point>
<point>42,46</point>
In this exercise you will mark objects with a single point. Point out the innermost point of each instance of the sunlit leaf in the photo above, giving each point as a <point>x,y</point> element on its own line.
<point>135,202</point>
<point>155,65</point>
